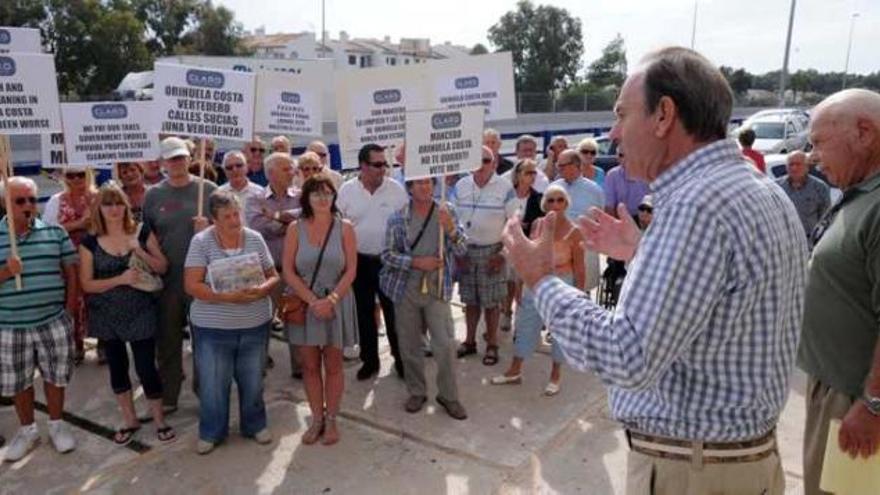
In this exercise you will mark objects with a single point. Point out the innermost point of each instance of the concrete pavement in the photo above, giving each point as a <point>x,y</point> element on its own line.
<point>516,441</point>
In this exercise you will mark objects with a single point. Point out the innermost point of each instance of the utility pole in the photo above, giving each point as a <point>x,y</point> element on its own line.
<point>784,74</point>
<point>323,32</point>
<point>852,25</point>
<point>694,28</point>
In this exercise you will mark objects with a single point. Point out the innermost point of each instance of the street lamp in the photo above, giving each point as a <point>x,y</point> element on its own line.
<point>852,25</point>
<point>784,72</point>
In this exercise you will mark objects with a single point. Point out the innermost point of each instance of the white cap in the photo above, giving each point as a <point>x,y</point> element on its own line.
<point>172,147</point>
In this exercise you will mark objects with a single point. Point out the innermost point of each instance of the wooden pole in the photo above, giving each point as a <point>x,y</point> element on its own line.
<point>6,161</point>
<point>442,236</point>
<point>201,157</point>
<point>114,174</point>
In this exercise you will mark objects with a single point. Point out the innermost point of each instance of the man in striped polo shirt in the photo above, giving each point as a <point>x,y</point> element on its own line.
<point>35,329</point>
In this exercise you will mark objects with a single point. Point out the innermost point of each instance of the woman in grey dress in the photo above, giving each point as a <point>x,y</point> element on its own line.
<point>331,319</point>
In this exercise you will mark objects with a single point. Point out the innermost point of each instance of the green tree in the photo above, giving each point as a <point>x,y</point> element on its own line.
<point>546,45</point>
<point>22,13</point>
<point>166,22</point>
<point>215,32</point>
<point>479,49</point>
<point>117,48</point>
<point>610,68</point>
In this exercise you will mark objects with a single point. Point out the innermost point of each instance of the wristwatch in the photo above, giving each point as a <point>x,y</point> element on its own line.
<point>872,404</point>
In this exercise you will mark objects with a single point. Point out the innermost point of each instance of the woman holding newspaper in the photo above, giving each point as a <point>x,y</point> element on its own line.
<point>230,275</point>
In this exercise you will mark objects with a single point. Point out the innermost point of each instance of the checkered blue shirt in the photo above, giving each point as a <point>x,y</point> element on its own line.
<point>703,339</point>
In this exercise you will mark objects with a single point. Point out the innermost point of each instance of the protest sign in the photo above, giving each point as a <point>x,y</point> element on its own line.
<point>109,132</point>
<point>288,104</point>
<point>371,107</point>
<point>443,142</point>
<point>202,102</point>
<point>28,94</point>
<point>19,40</point>
<point>482,80</point>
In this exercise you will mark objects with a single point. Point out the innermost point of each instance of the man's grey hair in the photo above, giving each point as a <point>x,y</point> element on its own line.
<point>796,155</point>
<point>18,180</point>
<point>274,158</point>
<point>702,97</point>
<point>220,200</point>
<point>233,154</point>
<point>526,138</point>
<point>489,132</point>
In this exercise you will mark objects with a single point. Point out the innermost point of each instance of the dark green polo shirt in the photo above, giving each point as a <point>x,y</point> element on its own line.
<point>842,306</point>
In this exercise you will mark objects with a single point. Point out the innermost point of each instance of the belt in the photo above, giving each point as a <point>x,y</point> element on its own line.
<point>374,257</point>
<point>699,452</point>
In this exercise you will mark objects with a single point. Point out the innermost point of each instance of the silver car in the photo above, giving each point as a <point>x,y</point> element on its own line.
<point>779,131</point>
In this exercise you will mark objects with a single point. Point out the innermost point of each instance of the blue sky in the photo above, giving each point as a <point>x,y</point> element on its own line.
<point>741,33</point>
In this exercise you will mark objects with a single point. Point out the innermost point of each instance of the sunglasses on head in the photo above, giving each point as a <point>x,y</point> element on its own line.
<point>587,151</point>
<point>378,164</point>
<point>75,175</point>
<point>233,166</point>
<point>20,201</point>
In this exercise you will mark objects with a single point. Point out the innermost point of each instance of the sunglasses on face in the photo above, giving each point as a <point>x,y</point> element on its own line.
<point>588,152</point>
<point>20,201</point>
<point>646,209</point>
<point>487,161</point>
<point>530,172</point>
<point>551,201</point>
<point>378,164</point>
<point>75,175</point>
<point>309,170</point>
<point>112,203</point>
<point>256,150</point>
<point>232,166</point>
<point>564,164</point>
<point>322,155</point>
<point>322,195</point>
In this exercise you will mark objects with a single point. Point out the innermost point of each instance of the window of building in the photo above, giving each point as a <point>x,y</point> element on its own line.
<point>352,60</point>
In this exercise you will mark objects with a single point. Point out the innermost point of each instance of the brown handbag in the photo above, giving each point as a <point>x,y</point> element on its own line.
<point>293,307</point>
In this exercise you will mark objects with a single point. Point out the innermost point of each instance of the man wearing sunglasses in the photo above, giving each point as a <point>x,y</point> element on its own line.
<point>320,149</point>
<point>254,152</point>
<point>235,169</point>
<point>35,330</point>
<point>368,202</point>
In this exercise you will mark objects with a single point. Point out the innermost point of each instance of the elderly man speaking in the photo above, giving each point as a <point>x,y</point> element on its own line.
<point>840,348</point>
<point>697,355</point>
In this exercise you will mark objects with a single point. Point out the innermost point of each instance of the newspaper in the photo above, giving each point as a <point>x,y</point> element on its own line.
<point>236,273</point>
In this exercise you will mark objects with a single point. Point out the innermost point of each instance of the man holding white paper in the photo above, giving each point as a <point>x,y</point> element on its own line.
<point>840,349</point>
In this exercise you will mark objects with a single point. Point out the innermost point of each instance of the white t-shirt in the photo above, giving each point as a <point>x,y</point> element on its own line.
<point>483,211</point>
<point>369,213</point>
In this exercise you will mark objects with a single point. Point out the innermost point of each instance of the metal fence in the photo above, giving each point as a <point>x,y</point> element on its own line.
<point>547,103</point>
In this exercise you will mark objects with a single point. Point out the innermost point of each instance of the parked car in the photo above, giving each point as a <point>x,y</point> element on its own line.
<point>779,131</point>
<point>606,157</point>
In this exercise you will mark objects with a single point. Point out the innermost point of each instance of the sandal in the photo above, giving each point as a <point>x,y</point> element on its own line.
<point>166,434</point>
<point>316,429</point>
<point>466,349</point>
<point>124,436</point>
<point>491,356</point>
<point>331,434</point>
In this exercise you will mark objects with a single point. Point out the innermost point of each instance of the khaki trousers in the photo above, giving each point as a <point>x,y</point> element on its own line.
<point>823,405</point>
<point>647,475</point>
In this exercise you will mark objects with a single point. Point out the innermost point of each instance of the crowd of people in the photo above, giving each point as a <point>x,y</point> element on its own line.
<point>696,355</point>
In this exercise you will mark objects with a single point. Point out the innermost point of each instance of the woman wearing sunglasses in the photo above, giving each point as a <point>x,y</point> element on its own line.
<point>71,209</point>
<point>587,149</point>
<point>123,316</point>
<point>568,261</point>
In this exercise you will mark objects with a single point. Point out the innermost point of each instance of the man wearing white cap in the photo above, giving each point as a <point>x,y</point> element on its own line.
<point>171,212</point>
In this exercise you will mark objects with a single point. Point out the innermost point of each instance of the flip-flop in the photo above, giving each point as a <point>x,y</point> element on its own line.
<point>166,434</point>
<point>491,356</point>
<point>126,435</point>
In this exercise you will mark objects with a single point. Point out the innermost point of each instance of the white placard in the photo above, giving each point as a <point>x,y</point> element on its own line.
<point>289,104</point>
<point>194,101</point>
<point>19,40</point>
<point>443,142</point>
<point>371,107</point>
<point>52,153</point>
<point>109,132</point>
<point>28,94</point>
<point>481,80</point>
<point>319,69</point>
